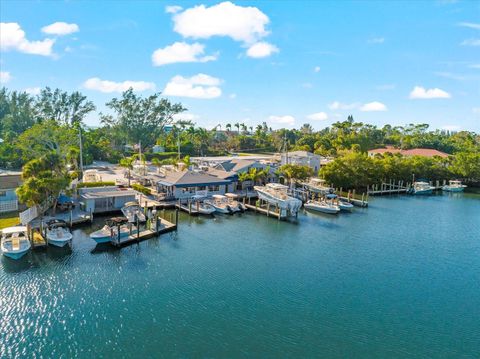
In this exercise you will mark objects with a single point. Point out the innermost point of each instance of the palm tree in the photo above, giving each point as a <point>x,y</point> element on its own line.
<point>244,127</point>
<point>243,177</point>
<point>127,163</point>
<point>237,125</point>
<point>228,126</point>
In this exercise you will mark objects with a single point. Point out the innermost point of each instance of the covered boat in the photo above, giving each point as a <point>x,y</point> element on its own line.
<point>277,194</point>
<point>15,242</point>
<point>318,185</point>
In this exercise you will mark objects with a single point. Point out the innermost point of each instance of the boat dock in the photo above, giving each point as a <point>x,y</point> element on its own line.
<point>265,208</point>
<point>154,227</point>
<point>390,187</point>
<point>190,207</point>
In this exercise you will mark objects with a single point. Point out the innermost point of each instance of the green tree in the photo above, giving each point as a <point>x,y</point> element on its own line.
<point>127,163</point>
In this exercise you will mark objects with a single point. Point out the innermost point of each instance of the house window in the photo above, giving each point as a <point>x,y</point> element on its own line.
<point>201,188</point>
<point>214,188</point>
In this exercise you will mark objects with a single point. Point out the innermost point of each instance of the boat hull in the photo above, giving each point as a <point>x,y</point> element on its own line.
<point>59,242</point>
<point>321,209</point>
<point>345,206</point>
<point>421,192</point>
<point>453,189</point>
<point>15,255</point>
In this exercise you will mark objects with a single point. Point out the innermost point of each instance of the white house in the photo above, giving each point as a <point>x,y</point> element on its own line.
<point>302,158</point>
<point>105,199</point>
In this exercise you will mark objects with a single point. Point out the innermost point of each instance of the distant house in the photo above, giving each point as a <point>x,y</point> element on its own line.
<point>424,152</point>
<point>239,165</point>
<point>186,183</point>
<point>303,158</point>
<point>9,182</point>
<point>105,199</point>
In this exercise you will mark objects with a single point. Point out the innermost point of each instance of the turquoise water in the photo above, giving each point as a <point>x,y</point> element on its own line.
<point>399,279</point>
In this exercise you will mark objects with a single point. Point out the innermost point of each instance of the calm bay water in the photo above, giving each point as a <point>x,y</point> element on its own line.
<point>399,279</point>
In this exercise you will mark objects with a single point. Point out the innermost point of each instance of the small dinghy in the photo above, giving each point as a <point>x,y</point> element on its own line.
<point>58,233</point>
<point>15,242</point>
<point>132,210</point>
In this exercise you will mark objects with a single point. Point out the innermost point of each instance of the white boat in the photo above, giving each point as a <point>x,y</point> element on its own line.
<point>276,194</point>
<point>318,185</point>
<point>421,187</point>
<point>220,203</point>
<point>322,206</point>
<point>57,233</point>
<point>15,242</point>
<point>202,206</point>
<point>344,206</point>
<point>454,186</point>
<point>110,231</point>
<point>131,210</point>
<point>234,204</point>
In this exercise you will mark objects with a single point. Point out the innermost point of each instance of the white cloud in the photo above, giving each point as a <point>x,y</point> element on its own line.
<point>335,105</point>
<point>316,69</point>
<point>261,49</point>
<point>199,86</point>
<point>12,37</point>
<point>376,40</point>
<point>181,52</point>
<point>244,24</point>
<point>419,92</point>
<point>470,25</point>
<point>172,9</point>
<point>373,107</point>
<point>33,90</point>
<point>106,86</point>
<point>282,120</point>
<point>471,42</point>
<point>319,116</point>
<point>60,28</point>
<point>5,77</point>
<point>233,96</point>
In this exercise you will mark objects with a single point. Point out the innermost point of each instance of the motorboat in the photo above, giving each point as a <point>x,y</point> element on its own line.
<point>422,187</point>
<point>318,185</point>
<point>277,194</point>
<point>343,205</point>
<point>454,186</point>
<point>322,206</point>
<point>57,233</point>
<point>132,211</point>
<point>111,230</point>
<point>201,206</point>
<point>220,203</point>
<point>91,176</point>
<point>15,242</point>
<point>233,202</point>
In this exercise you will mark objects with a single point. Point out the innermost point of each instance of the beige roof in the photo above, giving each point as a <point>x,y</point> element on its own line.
<point>194,178</point>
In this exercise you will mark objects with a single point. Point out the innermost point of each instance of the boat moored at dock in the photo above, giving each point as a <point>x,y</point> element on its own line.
<point>15,242</point>
<point>57,233</point>
<point>454,186</point>
<point>322,206</point>
<point>318,185</point>
<point>422,188</point>
<point>202,206</point>
<point>277,194</point>
<point>112,229</point>
<point>132,211</point>
<point>233,203</point>
<point>343,205</point>
<point>220,203</point>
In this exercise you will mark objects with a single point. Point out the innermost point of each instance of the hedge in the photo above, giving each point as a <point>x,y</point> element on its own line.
<point>95,184</point>
<point>142,189</point>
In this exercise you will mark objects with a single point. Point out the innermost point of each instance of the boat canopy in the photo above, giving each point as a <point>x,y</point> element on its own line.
<point>57,223</point>
<point>16,229</point>
<point>331,196</point>
<point>276,186</point>
<point>231,195</point>
<point>218,196</point>
<point>196,197</point>
<point>116,220</point>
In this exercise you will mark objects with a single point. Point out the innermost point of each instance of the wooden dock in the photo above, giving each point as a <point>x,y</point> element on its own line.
<point>266,211</point>
<point>190,207</point>
<point>38,240</point>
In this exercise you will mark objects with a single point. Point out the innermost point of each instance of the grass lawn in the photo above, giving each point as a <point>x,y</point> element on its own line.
<point>9,220</point>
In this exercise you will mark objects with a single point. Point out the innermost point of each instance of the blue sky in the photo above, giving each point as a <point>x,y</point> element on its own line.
<point>283,62</point>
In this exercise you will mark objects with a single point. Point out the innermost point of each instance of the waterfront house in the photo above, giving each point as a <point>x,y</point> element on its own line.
<point>303,158</point>
<point>9,182</point>
<point>182,184</point>
<point>423,152</point>
<point>105,199</point>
